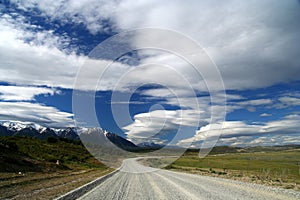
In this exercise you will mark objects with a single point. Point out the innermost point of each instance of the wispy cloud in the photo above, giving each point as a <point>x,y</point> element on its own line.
<point>256,102</point>
<point>242,133</point>
<point>36,113</point>
<point>249,51</point>
<point>154,124</point>
<point>290,101</point>
<point>23,93</point>
<point>29,57</point>
<point>265,115</point>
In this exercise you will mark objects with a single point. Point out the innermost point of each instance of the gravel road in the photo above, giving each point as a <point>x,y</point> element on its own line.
<point>135,181</point>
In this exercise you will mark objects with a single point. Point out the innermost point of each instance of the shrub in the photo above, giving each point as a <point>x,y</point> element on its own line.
<point>52,140</point>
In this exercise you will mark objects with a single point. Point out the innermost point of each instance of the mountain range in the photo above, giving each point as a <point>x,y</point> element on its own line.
<point>23,129</point>
<point>36,131</point>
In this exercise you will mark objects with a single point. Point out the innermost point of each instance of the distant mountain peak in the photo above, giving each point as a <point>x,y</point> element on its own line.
<point>18,125</point>
<point>149,145</point>
<point>11,128</point>
<point>17,128</point>
<point>28,129</point>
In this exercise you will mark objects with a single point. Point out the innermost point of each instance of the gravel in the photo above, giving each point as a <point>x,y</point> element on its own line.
<point>134,181</point>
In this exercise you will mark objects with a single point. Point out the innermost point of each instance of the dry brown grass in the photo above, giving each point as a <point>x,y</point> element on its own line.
<point>45,186</point>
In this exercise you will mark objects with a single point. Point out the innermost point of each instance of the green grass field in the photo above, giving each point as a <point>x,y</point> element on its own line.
<point>29,169</point>
<point>29,154</point>
<point>271,167</point>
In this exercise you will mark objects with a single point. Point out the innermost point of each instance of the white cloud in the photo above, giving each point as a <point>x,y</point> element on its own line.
<point>291,94</point>
<point>34,63</point>
<point>290,101</point>
<point>90,13</point>
<point>34,112</point>
<point>241,133</point>
<point>255,102</point>
<point>248,48</point>
<point>274,140</point>
<point>287,99</point>
<point>154,124</point>
<point>229,128</point>
<point>195,112</point>
<point>289,124</point>
<point>249,43</point>
<point>251,105</point>
<point>252,50</point>
<point>23,93</point>
<point>265,115</point>
<point>249,51</point>
<point>35,58</point>
<point>268,140</point>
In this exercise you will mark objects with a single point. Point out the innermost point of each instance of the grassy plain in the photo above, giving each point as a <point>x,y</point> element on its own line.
<point>276,166</point>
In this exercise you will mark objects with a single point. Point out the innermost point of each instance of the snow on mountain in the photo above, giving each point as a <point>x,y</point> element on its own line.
<point>17,125</point>
<point>69,133</point>
<point>46,133</point>
<point>149,145</point>
<point>28,129</point>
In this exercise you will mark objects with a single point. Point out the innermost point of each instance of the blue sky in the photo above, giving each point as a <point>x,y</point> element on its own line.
<point>254,45</point>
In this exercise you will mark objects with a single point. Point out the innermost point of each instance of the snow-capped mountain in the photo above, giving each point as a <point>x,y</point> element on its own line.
<point>150,145</point>
<point>68,133</point>
<point>9,128</point>
<point>17,126</point>
<point>47,132</point>
<point>71,133</point>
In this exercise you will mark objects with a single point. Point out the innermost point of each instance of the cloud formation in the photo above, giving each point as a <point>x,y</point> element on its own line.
<point>241,133</point>
<point>249,43</point>
<point>38,61</point>
<point>255,44</point>
<point>265,115</point>
<point>35,112</point>
<point>23,93</point>
<point>154,124</point>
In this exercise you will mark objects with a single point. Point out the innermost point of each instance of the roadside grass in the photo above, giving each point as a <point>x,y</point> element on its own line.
<point>36,185</point>
<point>43,169</point>
<point>278,168</point>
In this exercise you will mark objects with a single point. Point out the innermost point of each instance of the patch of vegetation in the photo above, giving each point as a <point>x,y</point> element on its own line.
<point>44,169</point>
<point>276,167</point>
<point>30,154</point>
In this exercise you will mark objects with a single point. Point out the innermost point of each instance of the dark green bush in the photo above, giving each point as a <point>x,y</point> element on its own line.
<point>52,140</point>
